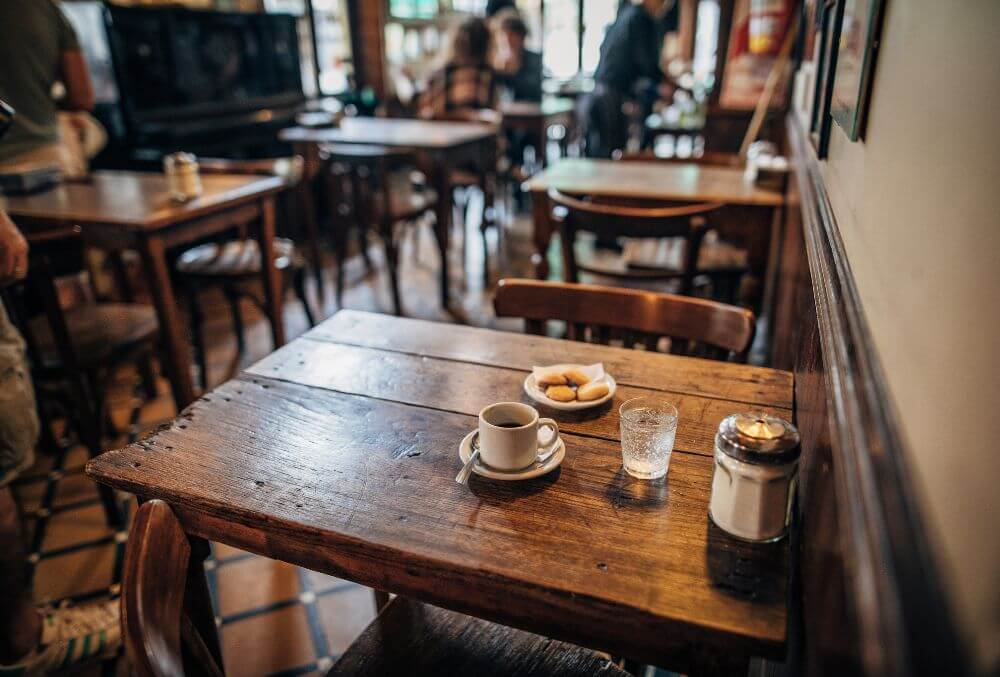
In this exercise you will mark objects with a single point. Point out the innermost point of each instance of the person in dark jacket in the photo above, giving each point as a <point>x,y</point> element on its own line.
<point>520,69</point>
<point>630,58</point>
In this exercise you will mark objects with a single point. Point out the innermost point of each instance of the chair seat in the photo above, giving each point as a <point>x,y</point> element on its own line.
<point>99,332</point>
<point>236,258</point>
<point>405,201</point>
<point>410,638</point>
<point>463,178</point>
<point>661,259</point>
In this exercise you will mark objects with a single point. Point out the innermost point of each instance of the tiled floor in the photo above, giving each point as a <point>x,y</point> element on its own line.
<point>276,619</point>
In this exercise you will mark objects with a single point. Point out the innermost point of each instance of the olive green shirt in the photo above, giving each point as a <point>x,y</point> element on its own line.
<point>33,35</point>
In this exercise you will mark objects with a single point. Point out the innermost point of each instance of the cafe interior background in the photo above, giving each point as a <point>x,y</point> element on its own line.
<point>874,282</point>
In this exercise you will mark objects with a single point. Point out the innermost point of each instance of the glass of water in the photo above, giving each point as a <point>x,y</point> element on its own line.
<point>649,426</point>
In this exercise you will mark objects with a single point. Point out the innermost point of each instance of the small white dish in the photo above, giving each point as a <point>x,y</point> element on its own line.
<point>538,395</point>
<point>536,469</point>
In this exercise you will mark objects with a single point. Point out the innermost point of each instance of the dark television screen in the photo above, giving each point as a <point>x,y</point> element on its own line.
<point>177,61</point>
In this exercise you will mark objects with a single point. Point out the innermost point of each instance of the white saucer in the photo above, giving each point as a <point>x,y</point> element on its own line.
<point>538,395</point>
<point>536,469</point>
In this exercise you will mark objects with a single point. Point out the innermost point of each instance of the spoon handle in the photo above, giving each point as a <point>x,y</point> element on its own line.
<point>463,475</point>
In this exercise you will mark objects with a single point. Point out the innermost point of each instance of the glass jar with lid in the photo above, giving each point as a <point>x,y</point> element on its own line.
<point>755,475</point>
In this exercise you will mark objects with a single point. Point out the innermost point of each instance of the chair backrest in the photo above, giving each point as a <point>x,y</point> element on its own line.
<point>598,314</point>
<point>611,218</point>
<point>707,159</point>
<point>159,638</point>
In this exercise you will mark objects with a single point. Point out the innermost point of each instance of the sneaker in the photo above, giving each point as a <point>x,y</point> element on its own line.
<point>72,636</point>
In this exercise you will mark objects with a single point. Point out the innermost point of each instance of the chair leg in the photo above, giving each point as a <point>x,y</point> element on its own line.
<point>197,338</point>
<point>299,284</point>
<point>147,373</point>
<point>88,427</point>
<point>233,297</point>
<point>392,259</point>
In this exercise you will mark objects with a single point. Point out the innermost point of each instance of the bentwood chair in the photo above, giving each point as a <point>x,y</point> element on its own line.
<point>372,186</point>
<point>76,347</point>
<point>407,637</point>
<point>234,265</point>
<point>597,314</point>
<point>681,227</point>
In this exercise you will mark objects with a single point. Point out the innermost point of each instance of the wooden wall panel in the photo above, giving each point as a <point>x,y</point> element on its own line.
<point>870,599</point>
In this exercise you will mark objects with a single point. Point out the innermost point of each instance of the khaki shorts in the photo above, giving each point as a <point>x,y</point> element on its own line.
<point>18,416</point>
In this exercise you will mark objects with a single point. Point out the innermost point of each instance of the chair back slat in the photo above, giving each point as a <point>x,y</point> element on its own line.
<point>632,218</point>
<point>639,317</point>
<point>159,639</point>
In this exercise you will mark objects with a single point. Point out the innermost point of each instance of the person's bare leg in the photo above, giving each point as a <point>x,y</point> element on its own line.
<point>20,622</point>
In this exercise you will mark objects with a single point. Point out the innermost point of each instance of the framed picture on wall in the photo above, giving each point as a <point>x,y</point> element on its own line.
<point>859,37</point>
<point>829,17</point>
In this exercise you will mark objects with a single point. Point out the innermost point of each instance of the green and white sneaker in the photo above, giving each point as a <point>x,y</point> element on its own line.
<point>72,636</point>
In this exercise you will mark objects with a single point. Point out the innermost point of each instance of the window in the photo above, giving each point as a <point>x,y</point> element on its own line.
<point>333,45</point>
<point>573,31</point>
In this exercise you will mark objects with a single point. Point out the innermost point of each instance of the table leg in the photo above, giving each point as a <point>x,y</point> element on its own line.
<point>439,175</point>
<point>175,346</point>
<point>542,232</point>
<point>270,275</point>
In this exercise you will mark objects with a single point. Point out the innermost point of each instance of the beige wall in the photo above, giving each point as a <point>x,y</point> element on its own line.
<point>918,204</point>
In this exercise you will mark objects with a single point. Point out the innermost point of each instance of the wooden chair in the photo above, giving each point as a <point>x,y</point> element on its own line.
<point>374,187</point>
<point>483,175</point>
<point>75,350</point>
<point>234,265</point>
<point>609,219</point>
<point>593,313</point>
<point>407,637</point>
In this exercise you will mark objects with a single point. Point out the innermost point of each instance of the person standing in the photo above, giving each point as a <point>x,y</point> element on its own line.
<point>39,48</point>
<point>630,56</point>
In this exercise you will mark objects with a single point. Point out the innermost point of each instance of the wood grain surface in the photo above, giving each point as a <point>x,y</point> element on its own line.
<point>342,459</point>
<point>137,199</point>
<point>686,375</point>
<point>655,181</point>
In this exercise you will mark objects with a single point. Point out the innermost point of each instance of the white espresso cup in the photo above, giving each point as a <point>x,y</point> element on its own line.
<point>508,435</point>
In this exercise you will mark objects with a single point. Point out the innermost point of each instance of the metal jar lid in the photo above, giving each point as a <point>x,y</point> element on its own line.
<point>180,161</point>
<point>758,438</point>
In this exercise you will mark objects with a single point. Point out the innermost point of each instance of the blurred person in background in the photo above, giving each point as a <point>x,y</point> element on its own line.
<point>466,84</point>
<point>519,69</point>
<point>629,68</point>
<point>32,641</point>
<point>38,48</point>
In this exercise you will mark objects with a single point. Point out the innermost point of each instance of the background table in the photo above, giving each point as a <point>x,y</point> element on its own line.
<point>132,210</point>
<point>750,220</point>
<point>338,453</point>
<point>443,147</point>
<point>537,118</point>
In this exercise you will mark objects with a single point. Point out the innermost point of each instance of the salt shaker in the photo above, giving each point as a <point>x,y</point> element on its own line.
<point>182,176</point>
<point>756,472</point>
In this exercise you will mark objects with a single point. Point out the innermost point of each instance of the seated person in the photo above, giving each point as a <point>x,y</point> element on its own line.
<point>519,70</point>
<point>466,83</point>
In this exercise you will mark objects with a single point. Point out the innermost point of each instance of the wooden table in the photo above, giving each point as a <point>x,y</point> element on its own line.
<point>443,146</point>
<point>339,451</point>
<point>537,118</point>
<point>750,219</point>
<point>132,210</point>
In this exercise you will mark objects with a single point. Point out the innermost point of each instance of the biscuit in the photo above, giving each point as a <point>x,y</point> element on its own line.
<point>592,391</point>
<point>576,377</point>
<point>552,379</point>
<point>560,393</point>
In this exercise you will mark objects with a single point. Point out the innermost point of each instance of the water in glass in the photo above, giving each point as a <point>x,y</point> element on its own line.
<point>648,430</point>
